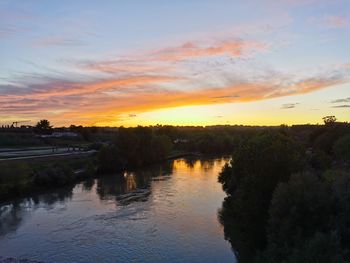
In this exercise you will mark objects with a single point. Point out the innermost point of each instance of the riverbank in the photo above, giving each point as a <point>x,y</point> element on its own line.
<point>26,175</point>
<point>30,162</point>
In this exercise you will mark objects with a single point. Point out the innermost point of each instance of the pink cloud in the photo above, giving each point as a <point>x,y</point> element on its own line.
<point>335,21</point>
<point>156,79</point>
<point>163,59</point>
<point>90,102</point>
<point>234,48</point>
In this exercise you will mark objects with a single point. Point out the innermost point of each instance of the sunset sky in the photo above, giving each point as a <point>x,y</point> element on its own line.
<point>199,62</point>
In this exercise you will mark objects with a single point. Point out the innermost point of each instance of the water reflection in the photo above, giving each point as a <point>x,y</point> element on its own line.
<point>14,213</point>
<point>203,164</point>
<point>240,230</point>
<point>190,162</point>
<point>132,186</point>
<point>161,212</point>
<point>88,184</point>
<point>123,188</point>
<point>11,216</point>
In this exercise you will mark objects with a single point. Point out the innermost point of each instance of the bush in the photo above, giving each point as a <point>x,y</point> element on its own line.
<point>140,146</point>
<point>298,210</point>
<point>110,160</point>
<point>56,175</point>
<point>341,148</point>
<point>341,193</point>
<point>15,178</point>
<point>12,139</point>
<point>321,248</point>
<point>320,160</point>
<point>309,220</point>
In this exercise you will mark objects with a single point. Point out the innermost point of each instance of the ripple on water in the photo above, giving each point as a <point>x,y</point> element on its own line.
<point>145,217</point>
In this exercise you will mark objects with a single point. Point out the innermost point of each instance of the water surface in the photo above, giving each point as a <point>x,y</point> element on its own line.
<point>165,213</point>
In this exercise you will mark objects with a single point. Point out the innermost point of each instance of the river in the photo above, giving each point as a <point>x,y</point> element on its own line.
<point>163,213</point>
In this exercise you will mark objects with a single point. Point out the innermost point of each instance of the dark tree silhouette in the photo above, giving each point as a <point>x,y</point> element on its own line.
<point>329,120</point>
<point>43,127</point>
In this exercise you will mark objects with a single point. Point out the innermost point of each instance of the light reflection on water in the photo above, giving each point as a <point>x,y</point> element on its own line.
<point>164,213</point>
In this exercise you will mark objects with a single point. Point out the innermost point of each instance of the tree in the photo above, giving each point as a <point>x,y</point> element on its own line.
<point>299,208</point>
<point>329,120</point>
<point>268,158</point>
<point>141,145</point>
<point>278,208</point>
<point>250,179</point>
<point>110,160</point>
<point>341,148</point>
<point>309,220</point>
<point>43,127</point>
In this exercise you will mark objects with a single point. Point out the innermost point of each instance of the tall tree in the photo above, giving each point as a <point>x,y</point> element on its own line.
<point>43,127</point>
<point>329,120</point>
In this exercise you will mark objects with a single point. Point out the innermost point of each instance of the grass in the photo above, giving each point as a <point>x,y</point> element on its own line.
<point>19,178</point>
<point>11,139</point>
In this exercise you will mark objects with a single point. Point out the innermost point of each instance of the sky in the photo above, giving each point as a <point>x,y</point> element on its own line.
<point>184,62</point>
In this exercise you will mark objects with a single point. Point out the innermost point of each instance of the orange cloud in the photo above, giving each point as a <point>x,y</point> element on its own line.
<point>106,100</point>
<point>149,101</point>
<point>62,89</point>
<point>234,48</point>
<point>124,66</point>
<point>153,80</point>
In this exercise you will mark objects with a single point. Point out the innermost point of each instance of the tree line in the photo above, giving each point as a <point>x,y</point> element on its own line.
<point>289,195</point>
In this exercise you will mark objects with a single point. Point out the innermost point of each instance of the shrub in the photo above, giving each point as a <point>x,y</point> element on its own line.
<point>309,220</point>
<point>341,148</point>
<point>299,208</point>
<point>320,160</point>
<point>56,175</point>
<point>15,178</point>
<point>110,160</point>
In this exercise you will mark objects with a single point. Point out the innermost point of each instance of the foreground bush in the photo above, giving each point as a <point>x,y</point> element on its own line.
<point>20,178</point>
<point>56,175</point>
<point>309,220</point>
<point>341,148</point>
<point>15,179</point>
<point>110,160</point>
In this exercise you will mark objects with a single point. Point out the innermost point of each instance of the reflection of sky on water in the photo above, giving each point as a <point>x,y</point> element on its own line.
<point>165,212</point>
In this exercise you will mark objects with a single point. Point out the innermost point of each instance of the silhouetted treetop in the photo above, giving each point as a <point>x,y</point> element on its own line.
<point>329,120</point>
<point>43,127</point>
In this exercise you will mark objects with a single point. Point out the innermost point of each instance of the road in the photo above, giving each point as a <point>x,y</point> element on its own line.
<point>23,155</point>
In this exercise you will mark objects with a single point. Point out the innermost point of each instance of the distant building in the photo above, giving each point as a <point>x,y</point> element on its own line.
<point>180,141</point>
<point>60,134</point>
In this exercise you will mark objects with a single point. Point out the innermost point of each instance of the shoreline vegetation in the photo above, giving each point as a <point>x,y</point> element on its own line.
<point>38,175</point>
<point>113,150</point>
<point>288,196</point>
